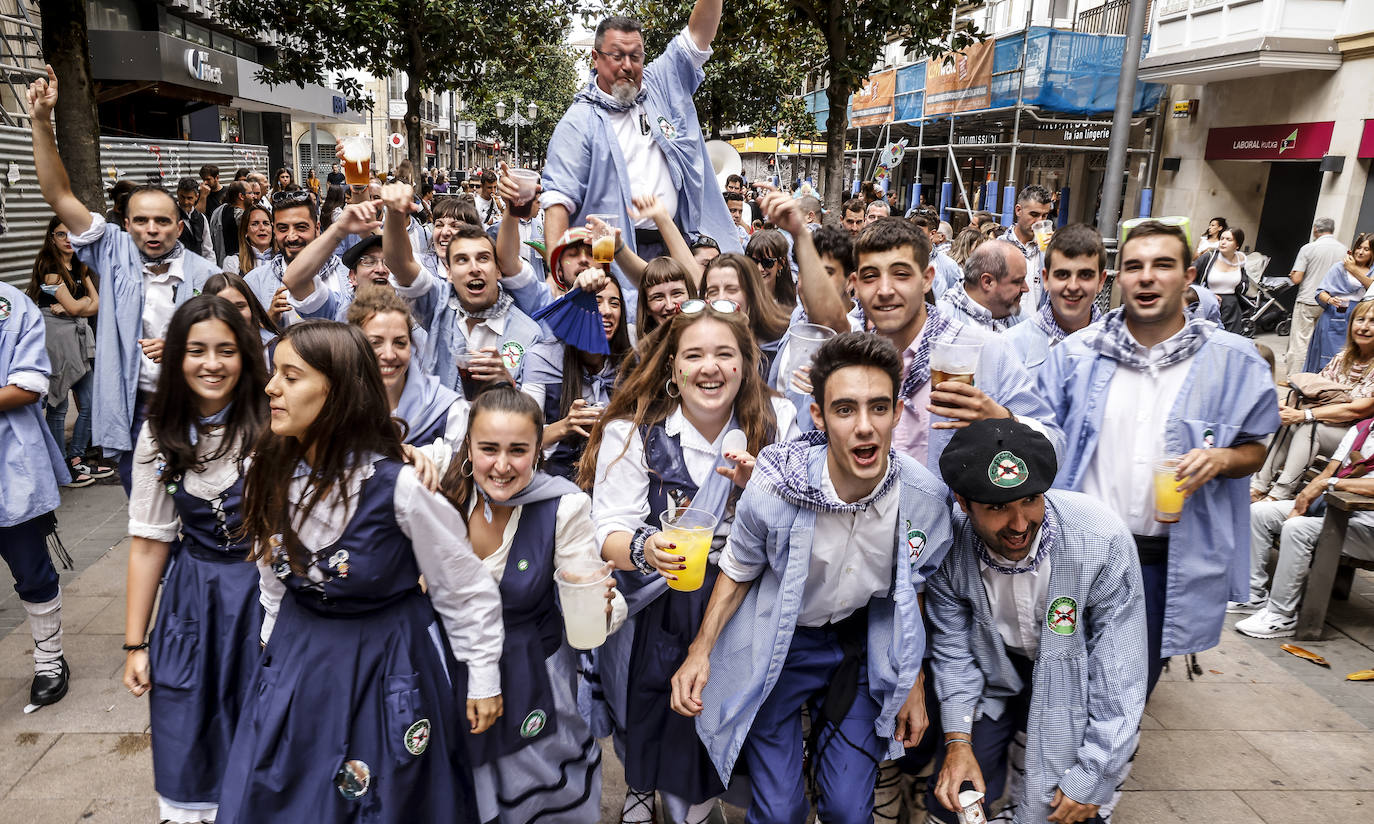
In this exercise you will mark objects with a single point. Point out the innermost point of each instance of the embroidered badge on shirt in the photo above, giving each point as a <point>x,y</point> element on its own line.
<point>522,565</point>
<point>5,308</point>
<point>1062,617</point>
<point>339,563</point>
<point>669,131</point>
<point>353,779</point>
<point>511,354</point>
<point>1209,439</point>
<point>915,544</point>
<point>1007,470</point>
<point>417,737</point>
<point>533,724</point>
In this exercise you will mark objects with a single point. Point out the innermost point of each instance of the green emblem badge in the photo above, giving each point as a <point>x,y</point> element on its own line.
<point>511,355</point>
<point>533,724</point>
<point>1209,439</point>
<point>915,544</point>
<point>417,737</point>
<point>669,131</point>
<point>1007,470</point>
<point>5,309</point>
<point>1062,616</point>
<point>522,565</point>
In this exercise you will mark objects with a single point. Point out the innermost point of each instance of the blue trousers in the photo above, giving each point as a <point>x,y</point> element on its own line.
<point>126,459</point>
<point>1155,578</point>
<point>846,764</point>
<point>81,432</point>
<point>24,547</point>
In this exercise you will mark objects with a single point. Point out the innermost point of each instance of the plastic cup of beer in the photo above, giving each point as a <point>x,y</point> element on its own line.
<point>603,237</point>
<point>690,530</point>
<point>357,160</point>
<point>582,593</point>
<point>954,362</point>
<point>1168,500</point>
<point>527,180</point>
<point>802,342</point>
<point>1044,230</point>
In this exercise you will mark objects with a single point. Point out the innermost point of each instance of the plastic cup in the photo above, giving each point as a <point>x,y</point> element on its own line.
<point>1044,230</point>
<point>603,237</point>
<point>527,180</point>
<point>1168,500</point>
<point>971,807</point>
<point>357,158</point>
<point>582,592</point>
<point>954,362</point>
<point>691,531</point>
<point>802,342</point>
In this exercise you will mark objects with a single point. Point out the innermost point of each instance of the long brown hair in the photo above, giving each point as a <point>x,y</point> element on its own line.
<point>49,262</point>
<point>228,280</point>
<point>354,423</point>
<point>642,398</point>
<point>247,260</point>
<point>767,320</point>
<point>456,484</point>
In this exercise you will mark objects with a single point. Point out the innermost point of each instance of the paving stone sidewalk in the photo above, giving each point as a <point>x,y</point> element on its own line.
<point>1259,736</point>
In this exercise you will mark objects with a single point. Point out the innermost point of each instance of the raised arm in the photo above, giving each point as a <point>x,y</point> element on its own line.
<point>555,221</point>
<point>52,175</point>
<point>704,21</point>
<point>650,206</point>
<point>508,257</point>
<point>299,276</point>
<point>817,294</point>
<point>400,257</point>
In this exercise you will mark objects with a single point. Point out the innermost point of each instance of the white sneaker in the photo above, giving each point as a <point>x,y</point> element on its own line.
<point>1246,607</point>
<point>1267,624</point>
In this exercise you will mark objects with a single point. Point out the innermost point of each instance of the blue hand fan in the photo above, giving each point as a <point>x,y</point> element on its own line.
<point>576,321</point>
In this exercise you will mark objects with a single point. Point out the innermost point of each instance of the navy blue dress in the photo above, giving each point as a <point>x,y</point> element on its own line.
<point>202,647</point>
<point>353,715</point>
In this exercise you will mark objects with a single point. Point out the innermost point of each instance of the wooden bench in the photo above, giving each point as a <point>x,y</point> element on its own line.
<point>1327,560</point>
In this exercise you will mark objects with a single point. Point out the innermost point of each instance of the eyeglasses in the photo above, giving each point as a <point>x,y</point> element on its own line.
<point>766,262</point>
<point>60,235</point>
<point>369,260</point>
<point>616,57</point>
<point>696,306</point>
<point>285,198</point>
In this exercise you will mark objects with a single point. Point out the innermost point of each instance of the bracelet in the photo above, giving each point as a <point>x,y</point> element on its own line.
<point>135,647</point>
<point>959,740</point>
<point>637,550</point>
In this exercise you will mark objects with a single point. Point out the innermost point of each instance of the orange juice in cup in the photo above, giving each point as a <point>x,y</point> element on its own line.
<point>1168,498</point>
<point>1044,230</point>
<point>690,530</point>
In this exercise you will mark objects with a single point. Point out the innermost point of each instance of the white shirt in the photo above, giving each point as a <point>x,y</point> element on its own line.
<point>463,594</point>
<point>572,541</point>
<point>851,557</point>
<point>487,332</point>
<point>1018,601</point>
<point>1121,473</point>
<point>620,499</point>
<point>152,512</point>
<point>483,205</point>
<point>159,304</point>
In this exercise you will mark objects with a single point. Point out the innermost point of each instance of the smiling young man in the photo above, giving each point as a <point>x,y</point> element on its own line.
<point>817,603</point>
<point>989,294</point>
<point>294,228</point>
<point>145,275</point>
<point>1075,269</point>
<point>1147,382</point>
<point>892,257</point>
<point>1038,627</point>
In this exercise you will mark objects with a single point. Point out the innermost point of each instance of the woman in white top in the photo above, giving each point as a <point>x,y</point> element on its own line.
<point>658,446</point>
<point>1211,238</point>
<point>255,241</point>
<point>184,520</point>
<point>1222,270</point>
<point>540,760</point>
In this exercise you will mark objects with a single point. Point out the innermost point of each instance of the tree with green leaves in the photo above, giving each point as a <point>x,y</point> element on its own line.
<point>756,69</point>
<point>438,44</point>
<point>549,82</point>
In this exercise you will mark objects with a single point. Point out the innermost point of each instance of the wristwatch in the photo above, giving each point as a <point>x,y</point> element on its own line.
<point>1331,484</point>
<point>637,550</point>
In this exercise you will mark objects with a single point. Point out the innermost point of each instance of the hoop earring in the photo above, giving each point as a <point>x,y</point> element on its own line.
<point>671,390</point>
<point>465,468</point>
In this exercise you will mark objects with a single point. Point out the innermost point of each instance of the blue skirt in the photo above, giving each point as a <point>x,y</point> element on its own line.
<point>352,718</point>
<point>1328,338</point>
<point>202,651</point>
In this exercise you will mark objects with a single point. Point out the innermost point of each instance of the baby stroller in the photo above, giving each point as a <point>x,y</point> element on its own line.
<point>1271,308</point>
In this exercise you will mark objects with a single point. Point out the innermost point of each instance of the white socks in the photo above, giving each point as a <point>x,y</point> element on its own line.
<point>639,807</point>
<point>45,620</point>
<point>698,813</point>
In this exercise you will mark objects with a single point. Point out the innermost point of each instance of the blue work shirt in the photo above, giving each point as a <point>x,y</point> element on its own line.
<point>33,465</point>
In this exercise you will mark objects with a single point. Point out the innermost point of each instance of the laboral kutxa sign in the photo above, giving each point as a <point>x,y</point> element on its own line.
<point>1277,141</point>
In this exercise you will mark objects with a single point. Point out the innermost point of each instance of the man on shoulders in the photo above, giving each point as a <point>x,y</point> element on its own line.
<point>1075,269</point>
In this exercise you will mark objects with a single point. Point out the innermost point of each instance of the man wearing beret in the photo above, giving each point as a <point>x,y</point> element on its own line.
<point>818,601</point>
<point>1038,623</point>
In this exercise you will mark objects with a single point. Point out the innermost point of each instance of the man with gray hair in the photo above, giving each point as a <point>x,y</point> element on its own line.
<point>989,296</point>
<point>876,210</point>
<point>646,113</point>
<point>1033,204</point>
<point>1313,262</point>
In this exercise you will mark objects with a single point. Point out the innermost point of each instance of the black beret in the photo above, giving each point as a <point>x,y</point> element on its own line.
<point>998,460</point>
<point>357,250</point>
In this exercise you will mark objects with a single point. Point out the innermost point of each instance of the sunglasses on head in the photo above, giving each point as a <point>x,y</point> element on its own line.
<point>705,242</point>
<point>285,198</point>
<point>696,306</point>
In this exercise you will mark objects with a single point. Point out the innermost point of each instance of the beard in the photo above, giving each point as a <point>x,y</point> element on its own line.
<point>624,91</point>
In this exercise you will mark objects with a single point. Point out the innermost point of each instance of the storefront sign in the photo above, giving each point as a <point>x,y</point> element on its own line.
<point>431,146</point>
<point>872,105</point>
<point>985,139</point>
<point>962,82</point>
<point>198,65</point>
<point>1280,141</point>
<point>1367,140</point>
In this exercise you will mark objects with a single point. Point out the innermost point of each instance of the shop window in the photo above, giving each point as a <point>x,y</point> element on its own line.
<point>251,127</point>
<point>170,24</point>
<point>112,15</point>
<point>197,34</point>
<point>246,50</point>
<point>222,42</point>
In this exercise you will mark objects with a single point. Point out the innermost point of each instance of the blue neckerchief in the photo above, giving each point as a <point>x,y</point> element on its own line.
<point>1114,340</point>
<point>169,256</point>
<point>1045,320</point>
<point>786,468</point>
<point>540,488</point>
<point>589,95</point>
<point>919,371</point>
<point>959,296</point>
<point>216,419</point>
<point>1047,533</point>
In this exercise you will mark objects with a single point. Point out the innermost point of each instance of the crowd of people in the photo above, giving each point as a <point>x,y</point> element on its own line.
<point>955,514</point>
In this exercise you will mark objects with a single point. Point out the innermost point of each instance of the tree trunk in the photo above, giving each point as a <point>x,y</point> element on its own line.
<point>415,141</point>
<point>832,175</point>
<point>67,48</point>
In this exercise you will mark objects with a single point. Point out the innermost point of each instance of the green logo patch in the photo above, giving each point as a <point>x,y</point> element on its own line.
<point>1062,616</point>
<point>1007,470</point>
<point>417,737</point>
<point>533,724</point>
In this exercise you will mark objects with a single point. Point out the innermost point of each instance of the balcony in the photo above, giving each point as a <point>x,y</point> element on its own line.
<point>1205,41</point>
<point>1109,18</point>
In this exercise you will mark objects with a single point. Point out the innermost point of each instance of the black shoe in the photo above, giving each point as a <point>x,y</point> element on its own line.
<point>49,689</point>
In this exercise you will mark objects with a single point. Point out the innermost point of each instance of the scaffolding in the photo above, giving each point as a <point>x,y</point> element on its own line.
<point>21,57</point>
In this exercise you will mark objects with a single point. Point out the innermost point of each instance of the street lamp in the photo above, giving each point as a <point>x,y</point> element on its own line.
<point>531,111</point>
